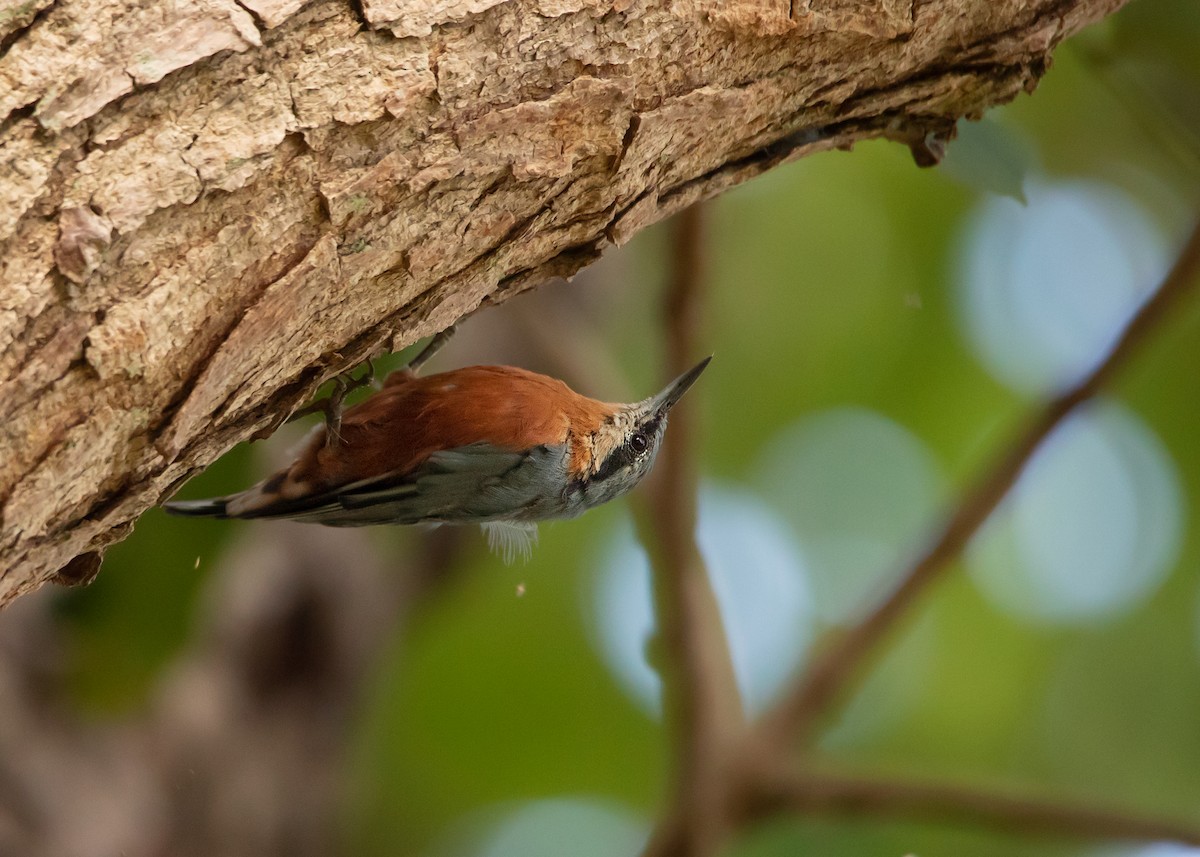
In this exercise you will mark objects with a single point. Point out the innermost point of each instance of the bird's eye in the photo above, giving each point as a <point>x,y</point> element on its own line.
<point>638,443</point>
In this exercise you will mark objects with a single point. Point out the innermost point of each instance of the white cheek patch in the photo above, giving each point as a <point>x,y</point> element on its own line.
<point>607,438</point>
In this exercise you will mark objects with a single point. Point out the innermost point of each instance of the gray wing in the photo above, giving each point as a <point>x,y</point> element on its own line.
<point>470,484</point>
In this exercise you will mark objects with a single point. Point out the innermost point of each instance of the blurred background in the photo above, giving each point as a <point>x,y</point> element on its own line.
<point>263,688</point>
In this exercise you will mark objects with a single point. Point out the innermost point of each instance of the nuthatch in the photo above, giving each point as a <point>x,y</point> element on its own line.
<point>492,445</point>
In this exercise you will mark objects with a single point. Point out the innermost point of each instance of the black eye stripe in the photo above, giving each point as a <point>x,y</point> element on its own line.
<point>620,457</point>
<point>632,451</point>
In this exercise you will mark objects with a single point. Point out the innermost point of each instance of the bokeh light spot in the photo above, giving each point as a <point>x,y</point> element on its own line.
<point>1048,286</point>
<point>1092,526</point>
<point>860,492</point>
<point>575,826</point>
<point>758,576</point>
<point>1156,849</point>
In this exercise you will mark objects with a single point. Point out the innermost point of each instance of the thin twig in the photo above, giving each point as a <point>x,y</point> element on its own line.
<point>700,697</point>
<point>798,714</point>
<point>435,344</point>
<point>944,803</point>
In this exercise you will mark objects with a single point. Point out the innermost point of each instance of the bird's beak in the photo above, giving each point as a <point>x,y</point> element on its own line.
<point>674,391</point>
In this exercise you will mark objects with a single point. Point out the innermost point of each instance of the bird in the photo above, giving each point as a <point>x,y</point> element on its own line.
<point>498,446</point>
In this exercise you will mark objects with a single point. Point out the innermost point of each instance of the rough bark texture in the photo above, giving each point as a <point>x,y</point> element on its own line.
<point>206,208</point>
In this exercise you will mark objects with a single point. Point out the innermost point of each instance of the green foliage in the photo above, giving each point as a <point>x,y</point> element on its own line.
<point>536,714</point>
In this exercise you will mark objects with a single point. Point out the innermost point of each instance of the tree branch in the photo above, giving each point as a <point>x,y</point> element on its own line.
<point>951,804</point>
<point>205,212</point>
<point>701,703</point>
<point>798,714</point>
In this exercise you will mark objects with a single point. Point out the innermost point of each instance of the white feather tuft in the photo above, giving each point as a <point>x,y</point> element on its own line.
<point>509,538</point>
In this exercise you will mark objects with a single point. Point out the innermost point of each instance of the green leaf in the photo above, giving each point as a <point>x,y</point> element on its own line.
<point>989,156</point>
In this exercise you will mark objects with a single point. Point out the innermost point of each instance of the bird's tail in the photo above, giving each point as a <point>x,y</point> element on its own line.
<point>213,507</point>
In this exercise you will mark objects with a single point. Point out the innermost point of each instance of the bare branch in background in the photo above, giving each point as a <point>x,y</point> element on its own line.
<point>701,703</point>
<point>726,774</point>
<point>796,718</point>
<point>942,803</point>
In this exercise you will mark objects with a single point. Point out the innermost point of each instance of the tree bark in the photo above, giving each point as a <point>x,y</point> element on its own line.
<point>207,208</point>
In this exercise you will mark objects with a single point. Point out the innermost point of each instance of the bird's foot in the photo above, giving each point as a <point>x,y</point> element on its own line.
<point>333,406</point>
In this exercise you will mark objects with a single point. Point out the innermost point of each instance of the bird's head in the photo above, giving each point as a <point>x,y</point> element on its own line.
<point>628,441</point>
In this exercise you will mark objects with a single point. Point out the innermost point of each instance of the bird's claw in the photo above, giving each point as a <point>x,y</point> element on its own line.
<point>345,384</point>
<point>332,406</point>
